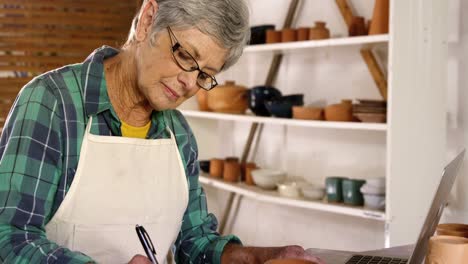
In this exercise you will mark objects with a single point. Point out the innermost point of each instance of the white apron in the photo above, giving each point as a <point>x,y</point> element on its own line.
<point>121,182</point>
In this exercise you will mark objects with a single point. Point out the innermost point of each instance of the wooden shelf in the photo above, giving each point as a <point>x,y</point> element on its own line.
<point>363,41</point>
<point>287,121</point>
<point>274,197</point>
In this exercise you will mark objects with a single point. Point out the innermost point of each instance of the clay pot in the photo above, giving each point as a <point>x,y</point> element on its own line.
<point>248,168</point>
<point>319,31</point>
<point>273,36</point>
<point>459,230</point>
<point>303,34</point>
<point>307,113</point>
<point>216,168</point>
<point>447,249</point>
<point>379,24</point>
<point>288,35</point>
<point>357,27</point>
<point>202,99</point>
<point>289,261</point>
<point>231,169</point>
<point>339,112</point>
<point>228,98</point>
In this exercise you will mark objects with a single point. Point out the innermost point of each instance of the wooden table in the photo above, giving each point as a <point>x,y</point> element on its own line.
<point>340,257</point>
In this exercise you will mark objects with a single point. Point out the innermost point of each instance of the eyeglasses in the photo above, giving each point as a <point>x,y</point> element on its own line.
<point>188,63</point>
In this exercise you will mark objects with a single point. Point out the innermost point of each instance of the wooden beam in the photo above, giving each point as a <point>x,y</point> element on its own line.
<point>376,72</point>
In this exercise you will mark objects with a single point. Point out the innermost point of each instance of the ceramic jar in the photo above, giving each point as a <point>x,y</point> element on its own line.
<point>232,169</point>
<point>216,168</point>
<point>303,33</point>
<point>340,112</point>
<point>228,98</point>
<point>357,27</point>
<point>273,36</point>
<point>447,249</point>
<point>288,35</point>
<point>319,31</point>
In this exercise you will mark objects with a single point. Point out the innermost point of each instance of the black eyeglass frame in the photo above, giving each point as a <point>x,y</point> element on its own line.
<point>176,46</point>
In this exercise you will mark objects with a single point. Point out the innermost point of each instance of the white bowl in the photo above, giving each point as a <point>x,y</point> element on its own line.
<point>376,202</point>
<point>313,192</point>
<point>268,178</point>
<point>376,182</point>
<point>371,189</point>
<point>289,189</point>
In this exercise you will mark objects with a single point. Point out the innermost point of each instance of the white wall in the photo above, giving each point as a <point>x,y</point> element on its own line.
<point>324,76</point>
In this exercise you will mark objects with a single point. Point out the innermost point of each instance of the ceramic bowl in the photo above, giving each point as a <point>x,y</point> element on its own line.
<point>282,107</point>
<point>370,189</point>
<point>375,202</point>
<point>371,117</point>
<point>339,112</point>
<point>448,229</point>
<point>289,189</point>
<point>228,98</point>
<point>258,34</point>
<point>267,178</point>
<point>307,113</point>
<point>258,95</point>
<point>312,192</point>
<point>204,165</point>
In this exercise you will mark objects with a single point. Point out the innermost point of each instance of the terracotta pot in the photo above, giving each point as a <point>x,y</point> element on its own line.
<point>379,24</point>
<point>288,35</point>
<point>231,170</point>
<point>460,230</point>
<point>216,168</point>
<point>228,98</point>
<point>447,249</point>
<point>307,113</point>
<point>339,112</point>
<point>358,27</point>
<point>249,167</point>
<point>273,36</point>
<point>202,99</point>
<point>303,33</point>
<point>319,31</point>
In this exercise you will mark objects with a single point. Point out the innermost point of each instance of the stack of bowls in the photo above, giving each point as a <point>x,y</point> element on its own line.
<point>374,193</point>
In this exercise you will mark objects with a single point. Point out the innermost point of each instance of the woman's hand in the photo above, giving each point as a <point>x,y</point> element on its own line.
<point>236,254</point>
<point>139,259</point>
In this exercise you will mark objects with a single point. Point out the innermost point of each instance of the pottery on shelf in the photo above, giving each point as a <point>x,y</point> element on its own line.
<point>216,168</point>
<point>320,31</point>
<point>273,36</point>
<point>228,98</point>
<point>202,99</point>
<point>339,112</point>
<point>357,27</point>
<point>380,17</point>
<point>257,96</point>
<point>232,169</point>
<point>258,34</point>
<point>288,35</point>
<point>248,168</point>
<point>282,107</point>
<point>307,113</point>
<point>303,33</point>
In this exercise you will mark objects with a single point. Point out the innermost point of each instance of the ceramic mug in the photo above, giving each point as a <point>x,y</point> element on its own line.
<point>232,169</point>
<point>216,168</point>
<point>334,189</point>
<point>352,191</point>
<point>447,250</point>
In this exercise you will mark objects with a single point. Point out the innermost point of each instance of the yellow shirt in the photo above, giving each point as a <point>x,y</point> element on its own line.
<point>134,132</point>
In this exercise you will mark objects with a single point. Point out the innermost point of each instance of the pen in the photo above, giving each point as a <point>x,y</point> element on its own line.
<point>146,243</point>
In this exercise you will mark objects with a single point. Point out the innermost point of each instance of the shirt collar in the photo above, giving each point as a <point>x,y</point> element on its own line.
<point>93,82</point>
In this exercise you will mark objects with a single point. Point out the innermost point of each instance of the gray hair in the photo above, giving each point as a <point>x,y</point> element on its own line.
<point>227,21</point>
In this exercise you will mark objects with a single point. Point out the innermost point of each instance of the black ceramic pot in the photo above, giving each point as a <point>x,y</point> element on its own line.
<point>282,107</point>
<point>257,96</point>
<point>258,34</point>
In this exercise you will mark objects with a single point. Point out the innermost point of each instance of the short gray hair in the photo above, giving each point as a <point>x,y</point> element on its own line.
<point>227,21</point>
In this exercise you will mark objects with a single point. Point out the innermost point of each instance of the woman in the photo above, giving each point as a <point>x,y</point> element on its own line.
<point>90,150</point>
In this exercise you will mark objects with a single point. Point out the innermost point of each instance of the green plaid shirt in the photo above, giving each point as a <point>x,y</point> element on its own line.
<point>39,152</point>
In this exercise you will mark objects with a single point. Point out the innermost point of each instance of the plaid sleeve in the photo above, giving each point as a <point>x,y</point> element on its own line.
<point>30,169</point>
<point>198,241</point>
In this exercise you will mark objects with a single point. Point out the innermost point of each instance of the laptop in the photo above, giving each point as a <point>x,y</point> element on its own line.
<point>430,224</point>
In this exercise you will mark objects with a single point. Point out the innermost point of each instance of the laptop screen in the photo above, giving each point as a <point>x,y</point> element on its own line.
<point>435,212</point>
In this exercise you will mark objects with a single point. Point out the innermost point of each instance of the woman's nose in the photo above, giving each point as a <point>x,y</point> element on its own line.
<point>188,79</point>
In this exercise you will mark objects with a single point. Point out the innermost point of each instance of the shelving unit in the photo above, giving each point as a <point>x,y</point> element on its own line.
<point>362,41</point>
<point>287,122</point>
<point>259,194</point>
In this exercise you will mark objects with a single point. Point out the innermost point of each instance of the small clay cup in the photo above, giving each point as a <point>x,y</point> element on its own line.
<point>249,167</point>
<point>216,168</point>
<point>232,169</point>
<point>273,36</point>
<point>303,34</point>
<point>288,35</point>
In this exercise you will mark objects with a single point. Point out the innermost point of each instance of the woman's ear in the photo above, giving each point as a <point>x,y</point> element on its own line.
<point>145,20</point>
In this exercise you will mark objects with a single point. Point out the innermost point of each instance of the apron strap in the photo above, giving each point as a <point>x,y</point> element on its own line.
<point>88,126</point>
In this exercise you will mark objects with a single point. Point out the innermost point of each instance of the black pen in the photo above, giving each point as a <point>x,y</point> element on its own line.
<point>146,243</point>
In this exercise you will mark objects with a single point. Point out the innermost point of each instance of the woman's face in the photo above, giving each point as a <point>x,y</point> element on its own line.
<point>160,80</point>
